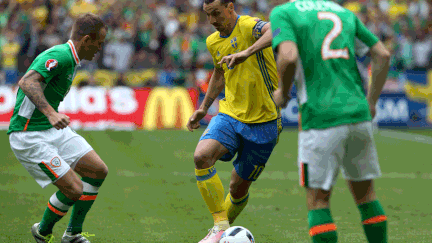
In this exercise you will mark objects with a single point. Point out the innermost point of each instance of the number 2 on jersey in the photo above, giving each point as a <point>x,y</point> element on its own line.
<point>326,52</point>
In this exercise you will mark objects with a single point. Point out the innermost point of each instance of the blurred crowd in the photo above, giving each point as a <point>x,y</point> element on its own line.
<point>162,42</point>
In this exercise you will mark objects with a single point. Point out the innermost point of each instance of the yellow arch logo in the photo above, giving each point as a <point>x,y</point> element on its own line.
<point>168,108</point>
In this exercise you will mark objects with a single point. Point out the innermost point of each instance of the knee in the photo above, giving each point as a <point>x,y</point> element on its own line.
<point>203,161</point>
<point>102,171</point>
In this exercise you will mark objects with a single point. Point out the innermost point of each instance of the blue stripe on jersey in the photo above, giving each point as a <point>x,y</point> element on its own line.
<point>266,71</point>
<point>271,85</point>
<point>264,76</point>
<point>208,176</point>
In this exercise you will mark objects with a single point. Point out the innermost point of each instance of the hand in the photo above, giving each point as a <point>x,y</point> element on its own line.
<point>59,121</point>
<point>280,98</point>
<point>234,59</point>
<point>194,120</point>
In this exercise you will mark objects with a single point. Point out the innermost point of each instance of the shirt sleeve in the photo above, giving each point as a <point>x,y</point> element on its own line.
<point>282,28</point>
<point>253,27</point>
<point>364,35</point>
<point>49,64</point>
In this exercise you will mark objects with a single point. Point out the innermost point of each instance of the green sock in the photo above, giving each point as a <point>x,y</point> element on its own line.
<point>58,205</point>
<point>374,222</point>
<point>83,205</point>
<point>321,226</point>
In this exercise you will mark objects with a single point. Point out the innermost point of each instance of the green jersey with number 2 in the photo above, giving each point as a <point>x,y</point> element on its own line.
<point>328,37</point>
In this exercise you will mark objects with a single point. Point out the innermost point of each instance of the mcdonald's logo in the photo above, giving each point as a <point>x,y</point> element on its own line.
<point>168,108</point>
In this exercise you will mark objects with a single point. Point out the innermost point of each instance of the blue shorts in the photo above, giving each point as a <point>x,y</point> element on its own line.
<point>253,143</point>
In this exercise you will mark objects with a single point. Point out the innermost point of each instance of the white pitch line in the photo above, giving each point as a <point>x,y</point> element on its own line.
<point>405,136</point>
<point>279,175</point>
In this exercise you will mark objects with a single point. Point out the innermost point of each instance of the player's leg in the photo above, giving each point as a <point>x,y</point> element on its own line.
<point>93,172</point>
<point>219,141</point>
<point>257,143</point>
<point>320,152</point>
<point>70,190</point>
<point>321,225</point>
<point>38,154</point>
<point>84,160</point>
<point>360,168</point>
<point>237,197</point>
<point>372,213</point>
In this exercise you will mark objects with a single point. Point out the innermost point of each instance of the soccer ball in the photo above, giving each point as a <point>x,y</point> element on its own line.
<point>237,234</point>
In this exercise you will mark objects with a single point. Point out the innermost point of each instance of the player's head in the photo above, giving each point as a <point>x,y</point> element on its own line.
<point>89,31</point>
<point>219,12</point>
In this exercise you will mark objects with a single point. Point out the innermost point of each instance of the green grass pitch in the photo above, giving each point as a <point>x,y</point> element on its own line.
<point>150,194</point>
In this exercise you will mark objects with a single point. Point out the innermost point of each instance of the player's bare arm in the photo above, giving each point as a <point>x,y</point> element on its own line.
<point>380,66</point>
<point>286,66</point>
<point>32,85</point>
<point>263,42</point>
<point>216,85</point>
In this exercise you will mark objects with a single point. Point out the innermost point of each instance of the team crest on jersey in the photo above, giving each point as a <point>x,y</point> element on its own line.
<point>234,42</point>
<point>55,162</point>
<point>218,54</point>
<point>51,64</point>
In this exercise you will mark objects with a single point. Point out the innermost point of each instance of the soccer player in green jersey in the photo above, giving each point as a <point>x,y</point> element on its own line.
<point>44,144</point>
<point>318,40</point>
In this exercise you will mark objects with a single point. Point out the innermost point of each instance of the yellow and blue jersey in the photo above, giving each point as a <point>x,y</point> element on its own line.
<point>249,86</point>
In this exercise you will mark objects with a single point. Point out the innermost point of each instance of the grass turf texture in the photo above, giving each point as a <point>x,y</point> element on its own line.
<point>150,194</point>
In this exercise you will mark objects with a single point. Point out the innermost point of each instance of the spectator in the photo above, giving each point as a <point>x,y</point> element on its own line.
<point>418,8</point>
<point>167,75</point>
<point>51,37</point>
<point>168,38</point>
<point>9,58</point>
<point>422,51</point>
<point>144,60</point>
<point>121,80</point>
<point>118,54</point>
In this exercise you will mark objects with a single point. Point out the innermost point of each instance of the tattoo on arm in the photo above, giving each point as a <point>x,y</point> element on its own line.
<point>32,86</point>
<point>209,102</point>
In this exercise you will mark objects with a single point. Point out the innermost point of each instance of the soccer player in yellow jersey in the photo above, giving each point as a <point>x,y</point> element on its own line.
<point>248,123</point>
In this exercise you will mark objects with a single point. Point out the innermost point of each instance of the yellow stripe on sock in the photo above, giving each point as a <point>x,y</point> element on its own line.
<point>239,200</point>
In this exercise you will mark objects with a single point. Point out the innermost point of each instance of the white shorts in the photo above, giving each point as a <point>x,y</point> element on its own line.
<point>47,155</point>
<point>349,147</point>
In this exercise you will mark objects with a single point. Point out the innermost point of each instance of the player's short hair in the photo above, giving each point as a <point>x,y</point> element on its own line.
<point>223,2</point>
<point>87,24</point>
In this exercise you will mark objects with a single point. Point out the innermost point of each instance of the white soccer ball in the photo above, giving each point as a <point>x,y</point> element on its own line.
<point>237,234</point>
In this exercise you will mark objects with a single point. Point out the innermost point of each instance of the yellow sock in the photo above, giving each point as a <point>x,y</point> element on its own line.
<point>235,206</point>
<point>212,191</point>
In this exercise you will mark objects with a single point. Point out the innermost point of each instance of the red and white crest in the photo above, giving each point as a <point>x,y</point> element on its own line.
<point>51,64</point>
